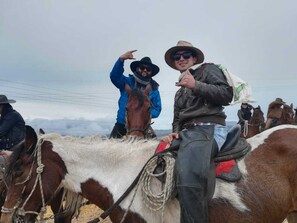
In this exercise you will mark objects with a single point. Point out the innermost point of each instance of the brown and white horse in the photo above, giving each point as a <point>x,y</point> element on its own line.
<point>101,171</point>
<point>55,201</point>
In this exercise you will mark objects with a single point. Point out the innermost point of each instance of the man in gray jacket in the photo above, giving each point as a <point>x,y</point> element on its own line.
<point>12,125</point>
<point>199,121</point>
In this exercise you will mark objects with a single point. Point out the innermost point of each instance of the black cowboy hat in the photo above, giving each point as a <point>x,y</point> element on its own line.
<point>4,100</point>
<point>183,46</point>
<point>145,61</point>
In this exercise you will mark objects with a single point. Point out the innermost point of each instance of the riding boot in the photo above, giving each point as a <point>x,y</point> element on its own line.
<point>192,171</point>
<point>268,123</point>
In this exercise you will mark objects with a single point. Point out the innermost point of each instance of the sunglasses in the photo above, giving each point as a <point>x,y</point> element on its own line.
<point>142,67</point>
<point>185,55</point>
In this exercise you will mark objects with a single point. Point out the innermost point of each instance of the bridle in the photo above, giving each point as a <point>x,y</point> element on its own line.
<point>143,130</point>
<point>247,124</point>
<point>19,210</point>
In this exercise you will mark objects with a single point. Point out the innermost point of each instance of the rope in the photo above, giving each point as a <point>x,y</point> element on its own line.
<point>135,183</point>
<point>245,128</point>
<point>39,171</point>
<point>155,202</point>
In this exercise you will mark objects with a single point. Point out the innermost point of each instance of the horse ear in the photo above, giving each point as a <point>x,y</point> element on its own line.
<point>128,89</point>
<point>30,138</point>
<point>41,131</point>
<point>147,89</point>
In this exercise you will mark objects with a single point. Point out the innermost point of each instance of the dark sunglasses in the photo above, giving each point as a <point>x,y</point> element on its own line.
<point>142,67</point>
<point>185,55</point>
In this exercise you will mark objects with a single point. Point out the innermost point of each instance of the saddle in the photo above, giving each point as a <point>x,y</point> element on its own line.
<point>234,149</point>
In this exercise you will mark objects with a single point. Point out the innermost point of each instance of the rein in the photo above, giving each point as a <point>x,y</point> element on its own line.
<point>142,130</point>
<point>21,210</point>
<point>108,212</point>
<point>246,127</point>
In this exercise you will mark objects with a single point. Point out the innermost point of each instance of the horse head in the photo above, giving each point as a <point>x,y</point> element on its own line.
<point>258,116</point>
<point>255,124</point>
<point>138,117</point>
<point>28,192</point>
<point>287,116</point>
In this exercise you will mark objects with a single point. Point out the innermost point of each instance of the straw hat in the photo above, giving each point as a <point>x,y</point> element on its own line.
<point>4,100</point>
<point>181,46</point>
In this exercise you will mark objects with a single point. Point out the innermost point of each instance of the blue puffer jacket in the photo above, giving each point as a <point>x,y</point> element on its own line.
<point>119,80</point>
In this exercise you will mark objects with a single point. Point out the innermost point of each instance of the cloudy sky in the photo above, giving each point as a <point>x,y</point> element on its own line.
<point>56,55</point>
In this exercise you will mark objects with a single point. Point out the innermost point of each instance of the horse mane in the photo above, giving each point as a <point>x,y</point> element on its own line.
<point>137,93</point>
<point>17,151</point>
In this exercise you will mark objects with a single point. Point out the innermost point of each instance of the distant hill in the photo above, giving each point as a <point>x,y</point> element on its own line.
<point>81,127</point>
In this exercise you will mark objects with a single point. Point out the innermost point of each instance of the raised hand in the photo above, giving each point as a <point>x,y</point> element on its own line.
<point>128,55</point>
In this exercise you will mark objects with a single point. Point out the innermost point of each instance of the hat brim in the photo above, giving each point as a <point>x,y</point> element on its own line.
<point>168,55</point>
<point>279,102</point>
<point>135,64</point>
<point>9,101</point>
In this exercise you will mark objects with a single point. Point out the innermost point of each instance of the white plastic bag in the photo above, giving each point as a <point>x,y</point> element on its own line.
<point>242,92</point>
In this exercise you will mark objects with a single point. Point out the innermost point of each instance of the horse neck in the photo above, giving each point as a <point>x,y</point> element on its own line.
<point>104,159</point>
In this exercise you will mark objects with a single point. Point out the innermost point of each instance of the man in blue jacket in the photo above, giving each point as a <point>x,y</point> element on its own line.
<point>12,125</point>
<point>143,71</point>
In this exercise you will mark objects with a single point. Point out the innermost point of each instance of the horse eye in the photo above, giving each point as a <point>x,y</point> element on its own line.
<point>18,173</point>
<point>19,170</point>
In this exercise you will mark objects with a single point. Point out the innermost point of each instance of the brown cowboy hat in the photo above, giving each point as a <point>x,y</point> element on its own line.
<point>4,100</point>
<point>145,61</point>
<point>279,101</point>
<point>180,46</point>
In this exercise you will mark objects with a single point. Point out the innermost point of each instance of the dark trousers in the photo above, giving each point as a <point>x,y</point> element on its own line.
<point>118,131</point>
<point>193,171</point>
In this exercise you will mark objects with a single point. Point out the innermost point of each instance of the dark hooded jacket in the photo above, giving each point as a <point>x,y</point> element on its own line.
<point>12,128</point>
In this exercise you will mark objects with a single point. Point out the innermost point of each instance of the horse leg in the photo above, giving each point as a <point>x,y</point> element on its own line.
<point>292,217</point>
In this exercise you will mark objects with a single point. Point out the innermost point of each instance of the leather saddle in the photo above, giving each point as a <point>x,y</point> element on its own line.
<point>233,150</point>
<point>226,159</point>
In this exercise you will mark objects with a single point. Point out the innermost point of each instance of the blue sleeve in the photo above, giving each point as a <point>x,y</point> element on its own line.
<point>156,106</point>
<point>117,75</point>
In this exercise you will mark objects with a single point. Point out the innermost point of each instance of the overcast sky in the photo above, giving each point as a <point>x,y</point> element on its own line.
<point>56,55</point>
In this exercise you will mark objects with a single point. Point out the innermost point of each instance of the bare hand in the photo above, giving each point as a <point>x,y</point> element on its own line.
<point>187,81</point>
<point>169,138</point>
<point>128,55</point>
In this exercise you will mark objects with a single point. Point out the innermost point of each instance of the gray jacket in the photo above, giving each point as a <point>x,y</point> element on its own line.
<point>205,102</point>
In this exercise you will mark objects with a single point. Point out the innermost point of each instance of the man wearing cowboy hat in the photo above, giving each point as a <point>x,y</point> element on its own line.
<point>274,112</point>
<point>244,114</point>
<point>199,121</point>
<point>143,71</point>
<point>12,125</point>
